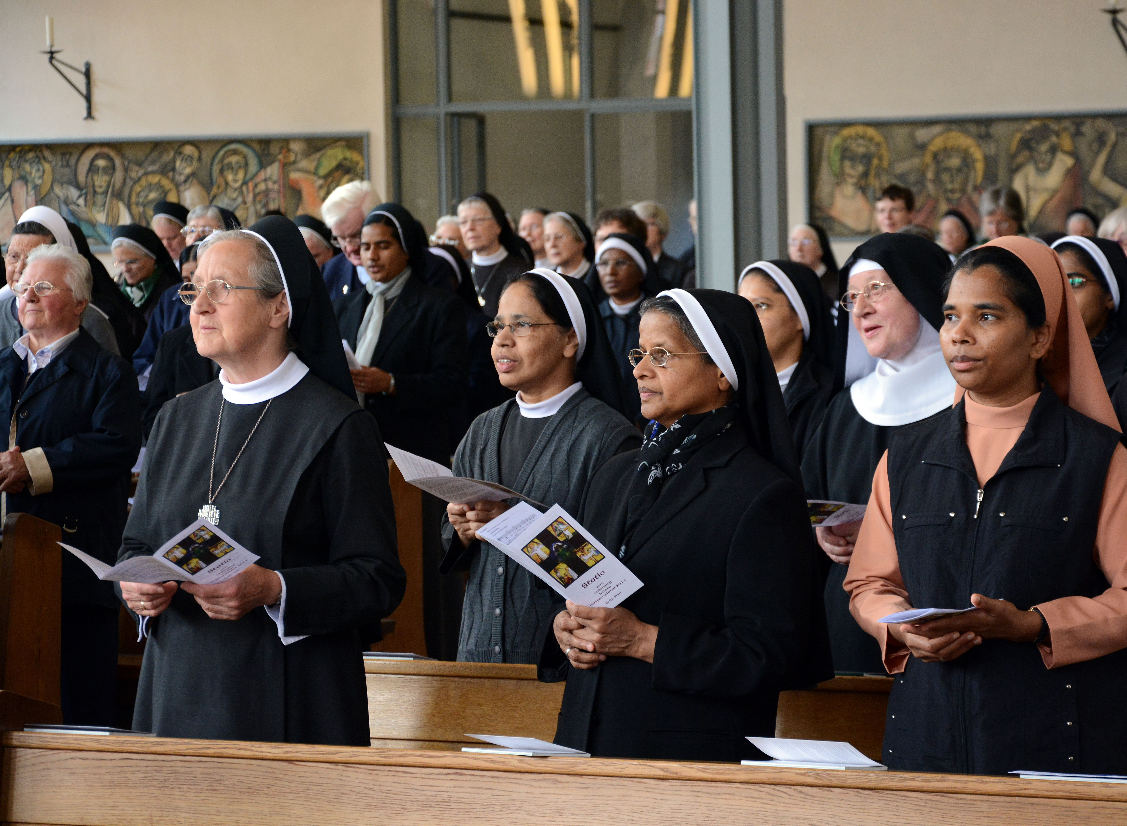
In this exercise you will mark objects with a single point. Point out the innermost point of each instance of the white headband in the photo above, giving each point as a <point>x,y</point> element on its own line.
<point>862,265</point>
<point>571,302</point>
<point>787,286</point>
<point>442,253</point>
<point>619,244</point>
<point>1098,256</point>
<point>129,242</point>
<point>394,220</point>
<point>707,332</point>
<point>171,218</point>
<point>563,216</point>
<point>53,221</point>
<point>277,261</point>
<point>308,233</point>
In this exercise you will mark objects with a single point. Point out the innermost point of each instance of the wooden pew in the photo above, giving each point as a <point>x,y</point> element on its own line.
<point>30,617</point>
<point>58,778</point>
<point>433,705</point>
<point>405,631</point>
<point>844,708</point>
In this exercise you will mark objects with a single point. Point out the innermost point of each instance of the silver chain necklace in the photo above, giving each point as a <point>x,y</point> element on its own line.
<point>209,511</point>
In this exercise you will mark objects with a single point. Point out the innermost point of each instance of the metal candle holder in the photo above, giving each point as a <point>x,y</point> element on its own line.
<point>84,72</point>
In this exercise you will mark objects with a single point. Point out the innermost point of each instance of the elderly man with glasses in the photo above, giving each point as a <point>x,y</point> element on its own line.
<point>344,212</point>
<point>74,417</point>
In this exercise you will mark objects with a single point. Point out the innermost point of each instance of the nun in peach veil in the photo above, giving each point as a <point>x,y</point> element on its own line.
<point>1011,502</point>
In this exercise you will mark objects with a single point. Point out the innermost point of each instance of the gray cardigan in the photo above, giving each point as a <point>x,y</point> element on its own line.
<point>506,609</point>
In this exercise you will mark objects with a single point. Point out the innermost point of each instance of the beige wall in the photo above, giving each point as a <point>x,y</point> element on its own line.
<point>921,58</point>
<point>198,68</point>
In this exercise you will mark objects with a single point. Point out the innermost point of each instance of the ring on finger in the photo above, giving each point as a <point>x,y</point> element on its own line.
<point>567,653</point>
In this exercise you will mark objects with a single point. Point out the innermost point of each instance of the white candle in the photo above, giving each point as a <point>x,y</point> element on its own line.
<point>50,33</point>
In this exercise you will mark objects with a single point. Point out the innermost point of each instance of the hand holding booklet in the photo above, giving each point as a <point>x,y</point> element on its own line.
<point>922,614</point>
<point>200,553</point>
<point>560,551</point>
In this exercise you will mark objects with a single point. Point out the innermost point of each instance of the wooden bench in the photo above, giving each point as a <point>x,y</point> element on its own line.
<point>59,778</point>
<point>844,708</point>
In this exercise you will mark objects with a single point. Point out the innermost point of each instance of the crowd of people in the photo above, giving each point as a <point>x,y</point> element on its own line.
<point>964,389</point>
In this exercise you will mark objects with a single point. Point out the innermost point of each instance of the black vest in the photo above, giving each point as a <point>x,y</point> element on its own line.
<point>1026,536</point>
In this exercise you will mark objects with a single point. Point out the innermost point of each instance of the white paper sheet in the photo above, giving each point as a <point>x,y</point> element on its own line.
<point>200,553</point>
<point>561,552</point>
<point>438,480</point>
<point>522,747</point>
<point>350,357</point>
<point>818,754</point>
<point>921,614</point>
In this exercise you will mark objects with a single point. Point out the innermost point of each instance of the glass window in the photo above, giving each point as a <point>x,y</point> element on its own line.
<point>418,168</point>
<point>416,71</point>
<point>514,49</point>
<point>642,49</point>
<point>647,156</point>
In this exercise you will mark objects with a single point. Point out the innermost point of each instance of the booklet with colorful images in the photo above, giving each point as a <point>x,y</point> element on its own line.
<point>438,480</point>
<point>200,553</point>
<point>560,551</point>
<point>824,513</point>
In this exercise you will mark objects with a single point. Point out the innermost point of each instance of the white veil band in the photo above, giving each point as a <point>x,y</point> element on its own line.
<point>571,303</point>
<point>707,333</point>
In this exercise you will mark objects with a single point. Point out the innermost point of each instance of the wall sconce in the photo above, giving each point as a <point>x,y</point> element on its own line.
<point>1117,25</point>
<point>56,62</point>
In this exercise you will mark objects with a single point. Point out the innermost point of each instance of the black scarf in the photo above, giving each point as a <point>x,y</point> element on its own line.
<point>664,453</point>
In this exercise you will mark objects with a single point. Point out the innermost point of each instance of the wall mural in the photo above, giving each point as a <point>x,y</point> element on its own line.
<point>101,185</point>
<point>1056,163</point>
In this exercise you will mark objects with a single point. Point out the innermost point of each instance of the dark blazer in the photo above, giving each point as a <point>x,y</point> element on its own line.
<point>340,277</point>
<point>177,368</point>
<point>727,559</point>
<point>83,410</point>
<point>423,344</point>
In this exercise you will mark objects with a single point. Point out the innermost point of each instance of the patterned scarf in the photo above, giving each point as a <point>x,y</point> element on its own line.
<point>664,453</point>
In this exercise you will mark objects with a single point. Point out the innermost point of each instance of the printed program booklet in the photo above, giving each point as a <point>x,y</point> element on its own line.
<point>922,614</point>
<point>824,513</point>
<point>560,551</point>
<point>438,480</point>
<point>810,754</point>
<point>521,747</point>
<point>200,553</point>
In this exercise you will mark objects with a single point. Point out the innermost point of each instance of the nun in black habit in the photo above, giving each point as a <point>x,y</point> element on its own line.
<point>894,295</point>
<point>508,257</point>
<point>292,470</point>
<point>1097,273</point>
<point>565,422</point>
<point>711,517</point>
<point>129,242</point>
<point>798,328</point>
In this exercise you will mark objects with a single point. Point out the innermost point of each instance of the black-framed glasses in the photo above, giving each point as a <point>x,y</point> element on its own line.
<point>41,288</point>
<point>217,291</point>
<point>658,356</point>
<point>874,291</point>
<point>517,328</point>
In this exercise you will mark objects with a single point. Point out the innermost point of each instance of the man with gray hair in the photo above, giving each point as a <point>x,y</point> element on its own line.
<point>74,414</point>
<point>344,212</point>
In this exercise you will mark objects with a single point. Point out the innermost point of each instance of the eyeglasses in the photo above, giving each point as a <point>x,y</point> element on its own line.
<point>127,264</point>
<point>41,288</point>
<point>557,237</point>
<point>659,356</point>
<point>217,291</point>
<point>202,232</point>
<point>340,241</point>
<point>801,242</point>
<point>874,291</point>
<point>474,222</point>
<point>620,264</point>
<point>517,328</point>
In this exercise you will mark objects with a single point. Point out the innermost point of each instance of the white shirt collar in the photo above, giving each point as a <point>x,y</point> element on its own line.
<point>785,374</point>
<point>40,359</point>
<point>492,258</point>
<point>624,309</point>
<point>281,379</point>
<point>362,274</point>
<point>548,407</point>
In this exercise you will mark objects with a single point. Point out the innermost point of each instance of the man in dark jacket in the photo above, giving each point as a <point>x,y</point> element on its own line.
<point>74,415</point>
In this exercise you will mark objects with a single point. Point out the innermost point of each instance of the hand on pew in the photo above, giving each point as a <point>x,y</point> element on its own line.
<point>231,600</point>
<point>146,600</point>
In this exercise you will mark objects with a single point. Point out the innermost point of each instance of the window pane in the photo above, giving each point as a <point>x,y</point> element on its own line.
<point>647,157</point>
<point>417,59</point>
<point>418,168</point>
<point>642,49</point>
<point>525,49</point>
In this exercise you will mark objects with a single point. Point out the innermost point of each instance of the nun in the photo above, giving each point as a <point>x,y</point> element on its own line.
<point>1011,502</point>
<point>569,245</point>
<point>625,271</point>
<point>144,269</point>
<point>1097,274</point>
<point>810,245</point>
<point>497,254</point>
<point>711,516</point>
<point>894,300</point>
<point>798,328</point>
<point>546,443</point>
<point>279,456</point>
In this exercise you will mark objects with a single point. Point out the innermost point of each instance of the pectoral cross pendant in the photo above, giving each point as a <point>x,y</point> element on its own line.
<point>210,513</point>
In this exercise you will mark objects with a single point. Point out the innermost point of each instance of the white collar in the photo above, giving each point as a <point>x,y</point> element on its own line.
<point>548,407</point>
<point>488,260</point>
<point>624,309</point>
<point>905,391</point>
<point>362,275</point>
<point>580,271</point>
<point>279,380</point>
<point>42,357</point>
<point>785,375</point>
